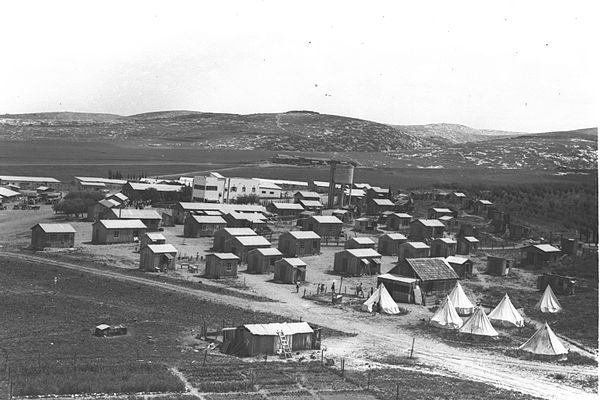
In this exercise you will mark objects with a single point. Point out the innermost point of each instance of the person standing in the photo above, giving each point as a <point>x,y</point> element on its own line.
<point>333,287</point>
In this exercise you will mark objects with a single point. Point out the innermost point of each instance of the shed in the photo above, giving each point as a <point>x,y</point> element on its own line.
<point>376,206</point>
<point>461,265</point>
<point>389,243</point>
<point>221,264</point>
<point>285,209</point>
<point>202,225</point>
<point>253,339</point>
<point>359,243</point>
<point>167,218</point>
<point>435,275</point>
<point>342,215</point>
<point>262,261</point>
<point>158,257</point>
<point>518,231</point>
<point>539,255</point>
<point>401,288</point>
<point>481,206</point>
<point>289,270</point>
<point>323,225</point>
<point>466,244</point>
<point>150,218</point>
<point>52,235</point>
<point>99,210</point>
<point>256,221</point>
<point>357,262</point>
<point>312,205</point>
<point>569,246</point>
<point>443,247</point>
<point>241,245</point>
<point>299,243</point>
<point>152,238</point>
<point>365,224</point>
<point>397,221</point>
<point>559,284</point>
<point>306,195</point>
<point>499,266</point>
<point>437,212</point>
<point>223,235</point>
<point>421,229</point>
<point>413,250</point>
<point>107,231</point>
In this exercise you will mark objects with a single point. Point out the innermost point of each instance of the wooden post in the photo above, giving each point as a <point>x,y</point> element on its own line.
<point>397,391</point>
<point>368,379</point>
<point>412,348</point>
<point>322,351</point>
<point>205,354</point>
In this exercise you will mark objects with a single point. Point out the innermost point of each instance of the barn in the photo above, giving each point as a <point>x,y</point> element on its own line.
<point>413,250</point>
<point>377,206</point>
<point>443,247</point>
<point>108,231</point>
<point>539,255</point>
<point>241,245</point>
<point>254,339</point>
<point>421,229</point>
<point>262,261</point>
<point>462,266</point>
<point>152,238</point>
<point>158,257</point>
<point>202,225</point>
<point>389,243</point>
<point>52,235</point>
<point>289,270</point>
<point>397,221</point>
<point>299,243</point>
<point>223,235</point>
<point>285,209</point>
<point>357,262</point>
<point>220,265</point>
<point>361,242</point>
<point>150,218</point>
<point>323,225</point>
<point>435,275</point>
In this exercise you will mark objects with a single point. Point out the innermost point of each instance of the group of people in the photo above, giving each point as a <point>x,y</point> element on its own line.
<point>321,289</point>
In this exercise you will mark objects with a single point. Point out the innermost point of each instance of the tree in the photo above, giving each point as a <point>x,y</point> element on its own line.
<point>247,199</point>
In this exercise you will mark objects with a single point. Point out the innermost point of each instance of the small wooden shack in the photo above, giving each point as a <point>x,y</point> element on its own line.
<point>262,261</point>
<point>323,225</point>
<point>421,229</point>
<point>365,224</point>
<point>342,215</point>
<point>108,231</point>
<point>413,250</point>
<point>150,218</point>
<point>202,225</point>
<point>435,275</point>
<point>397,221</point>
<point>560,284</point>
<point>253,339</point>
<point>466,244</point>
<point>167,218</point>
<point>361,242</point>
<point>499,266</point>
<point>289,270</point>
<point>52,235</point>
<point>220,265</point>
<point>98,210</point>
<point>299,243</point>
<point>443,247</point>
<point>158,257</point>
<point>518,231</point>
<point>377,206</point>
<point>152,238</point>
<point>569,246</point>
<point>285,209</point>
<point>223,235</point>
<point>401,288</point>
<point>357,262</point>
<point>312,205</point>
<point>306,195</point>
<point>437,212</point>
<point>461,265</point>
<point>241,245</point>
<point>539,255</point>
<point>389,243</point>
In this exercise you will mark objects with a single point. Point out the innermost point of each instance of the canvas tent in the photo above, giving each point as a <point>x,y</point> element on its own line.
<point>446,316</point>
<point>478,324</point>
<point>505,314</point>
<point>544,343</point>
<point>387,305</point>
<point>461,302</point>
<point>548,303</point>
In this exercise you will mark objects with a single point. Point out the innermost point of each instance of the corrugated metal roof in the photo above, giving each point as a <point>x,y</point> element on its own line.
<point>363,253</point>
<point>304,235</point>
<point>430,222</point>
<point>132,213</point>
<point>326,219</point>
<point>288,328</point>
<point>288,206</point>
<point>240,231</point>
<point>162,248</point>
<point>456,260</point>
<point>56,228</point>
<point>416,245</point>
<point>122,224</point>
<point>296,262</point>
<point>395,236</point>
<point>252,240</point>
<point>383,202</point>
<point>225,256</point>
<point>396,278</point>
<point>362,240</point>
<point>430,269</point>
<point>269,251</point>
<point>208,219</point>
<point>13,178</point>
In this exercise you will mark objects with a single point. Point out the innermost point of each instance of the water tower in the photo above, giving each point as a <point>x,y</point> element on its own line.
<point>340,173</point>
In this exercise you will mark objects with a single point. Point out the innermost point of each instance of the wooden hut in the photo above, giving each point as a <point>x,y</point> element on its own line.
<point>413,250</point>
<point>365,224</point>
<point>150,218</point>
<point>312,205</point>
<point>401,288</point>
<point>342,215</point>
<point>220,265</point>
<point>52,235</point>
<point>299,243</point>
<point>306,195</point>
<point>99,210</point>
<point>421,229</point>
<point>499,266</point>
<point>481,207</point>
<point>466,244</point>
<point>357,262</point>
<point>289,270</point>
<point>167,218</point>
<point>323,225</point>
<point>265,339</point>
<point>152,238</point>
<point>158,257</point>
<point>202,225</point>
<point>435,275</point>
<point>397,221</point>
<point>443,247</point>
<point>462,266</point>
<point>262,261</point>
<point>389,243</point>
<point>223,235</point>
<point>377,206</point>
<point>361,242</point>
<point>108,231</point>
<point>285,209</point>
<point>437,212</point>
<point>241,245</point>
<point>539,255</point>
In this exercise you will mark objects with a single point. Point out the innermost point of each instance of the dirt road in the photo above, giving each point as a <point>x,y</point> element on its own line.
<point>378,336</point>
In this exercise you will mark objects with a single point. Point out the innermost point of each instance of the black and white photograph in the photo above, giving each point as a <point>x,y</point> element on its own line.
<point>316,200</point>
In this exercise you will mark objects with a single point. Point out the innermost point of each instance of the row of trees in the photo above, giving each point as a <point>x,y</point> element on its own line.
<point>130,177</point>
<point>77,203</point>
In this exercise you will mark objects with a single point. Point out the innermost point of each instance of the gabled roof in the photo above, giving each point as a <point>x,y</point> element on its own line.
<point>224,208</point>
<point>339,211</point>
<point>402,215</point>
<point>119,196</point>
<point>459,194</point>
<point>162,248</point>
<point>288,328</point>
<point>363,253</point>
<point>456,260</point>
<point>446,218</point>
<point>321,184</point>
<point>441,210</point>
<point>355,192</point>
<point>13,178</point>
<point>485,202</point>
<point>430,269</point>
<point>253,241</point>
<point>309,195</point>
<point>429,222</point>
<point>122,223</point>
<point>4,192</point>
<point>93,184</point>
<point>109,203</point>
<point>416,245</point>
<point>267,251</point>
<point>158,187</point>
<point>132,213</point>
<point>445,240</point>
<point>239,231</point>
<point>383,202</point>
<point>362,240</point>
<point>295,262</point>
<point>311,203</point>
<point>326,219</point>
<point>155,236</point>
<point>546,248</point>
<point>304,235</point>
<point>396,278</point>
<point>100,180</point>
<point>42,188</point>
<point>208,219</point>
<point>252,217</point>
<point>395,236</point>
<point>268,185</point>
<point>288,206</point>
<point>224,256</point>
<point>56,228</point>
<point>471,239</point>
<point>379,190</point>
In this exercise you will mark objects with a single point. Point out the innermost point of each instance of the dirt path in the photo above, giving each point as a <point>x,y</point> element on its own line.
<point>380,336</point>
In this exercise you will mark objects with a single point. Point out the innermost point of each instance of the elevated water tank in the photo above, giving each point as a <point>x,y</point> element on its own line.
<point>344,174</point>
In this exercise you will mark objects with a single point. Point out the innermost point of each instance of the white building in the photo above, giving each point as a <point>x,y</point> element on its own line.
<point>215,188</point>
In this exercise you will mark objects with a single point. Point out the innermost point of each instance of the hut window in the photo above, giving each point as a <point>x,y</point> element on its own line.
<point>272,261</point>
<point>243,188</point>
<point>301,244</point>
<point>228,267</point>
<point>116,234</point>
<point>253,190</point>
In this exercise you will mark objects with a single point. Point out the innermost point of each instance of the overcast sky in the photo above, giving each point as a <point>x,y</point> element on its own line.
<point>523,65</point>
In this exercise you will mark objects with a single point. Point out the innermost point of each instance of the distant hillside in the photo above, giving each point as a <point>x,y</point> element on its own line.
<point>62,116</point>
<point>451,133</point>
